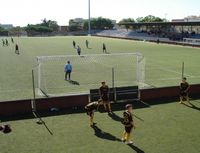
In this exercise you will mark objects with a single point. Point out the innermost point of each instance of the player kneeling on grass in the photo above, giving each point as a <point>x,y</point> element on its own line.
<point>128,123</point>
<point>90,108</point>
<point>184,90</point>
<point>5,128</point>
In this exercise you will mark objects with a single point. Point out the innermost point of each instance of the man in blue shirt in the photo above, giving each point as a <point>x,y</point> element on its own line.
<point>68,70</point>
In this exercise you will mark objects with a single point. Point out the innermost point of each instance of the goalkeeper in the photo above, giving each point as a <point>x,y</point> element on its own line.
<point>68,70</point>
<point>90,108</point>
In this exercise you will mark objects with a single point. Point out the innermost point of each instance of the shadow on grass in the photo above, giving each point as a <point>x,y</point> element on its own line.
<point>74,82</point>
<point>138,150</point>
<point>190,105</point>
<point>76,110</point>
<point>107,136</point>
<point>104,135</point>
<point>115,117</point>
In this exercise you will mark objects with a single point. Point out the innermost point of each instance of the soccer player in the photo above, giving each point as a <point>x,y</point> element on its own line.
<point>104,95</point>
<point>128,124</point>
<point>68,70</point>
<point>3,42</point>
<point>74,44</point>
<point>104,48</point>
<point>16,49</point>
<point>158,41</point>
<point>87,43</point>
<point>12,40</point>
<point>5,128</point>
<point>184,90</point>
<point>7,42</point>
<point>79,50</point>
<point>90,108</point>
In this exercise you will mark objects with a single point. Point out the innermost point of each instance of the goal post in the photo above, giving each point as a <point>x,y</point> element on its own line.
<point>88,71</point>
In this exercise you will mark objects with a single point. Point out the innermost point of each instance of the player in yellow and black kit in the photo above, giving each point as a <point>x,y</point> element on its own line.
<point>104,94</point>
<point>184,90</point>
<point>90,108</point>
<point>128,123</point>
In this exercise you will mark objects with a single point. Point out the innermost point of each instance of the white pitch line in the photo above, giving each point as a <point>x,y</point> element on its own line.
<point>173,71</point>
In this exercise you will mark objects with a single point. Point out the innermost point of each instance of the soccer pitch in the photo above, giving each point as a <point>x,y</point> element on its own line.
<point>163,62</point>
<point>167,128</point>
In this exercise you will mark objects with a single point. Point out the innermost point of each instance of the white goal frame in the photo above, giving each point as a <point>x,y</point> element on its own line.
<point>140,69</point>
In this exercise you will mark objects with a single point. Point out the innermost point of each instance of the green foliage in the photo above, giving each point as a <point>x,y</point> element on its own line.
<point>149,18</point>
<point>99,24</point>
<point>44,27</point>
<point>127,20</point>
<point>75,26</point>
<point>3,32</point>
<point>2,29</point>
<point>38,28</point>
<point>49,23</point>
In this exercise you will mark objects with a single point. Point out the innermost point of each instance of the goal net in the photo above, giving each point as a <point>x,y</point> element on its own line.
<point>122,69</point>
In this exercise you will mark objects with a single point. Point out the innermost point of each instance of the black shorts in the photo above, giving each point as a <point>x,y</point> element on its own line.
<point>128,129</point>
<point>89,113</point>
<point>68,72</point>
<point>105,98</point>
<point>183,94</point>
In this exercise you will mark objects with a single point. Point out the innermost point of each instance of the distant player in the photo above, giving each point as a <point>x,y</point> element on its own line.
<point>87,43</point>
<point>5,128</point>
<point>79,50</point>
<point>104,48</point>
<point>16,49</point>
<point>74,44</point>
<point>128,124</point>
<point>68,70</point>
<point>3,42</point>
<point>104,95</point>
<point>184,90</point>
<point>90,108</point>
<point>158,41</point>
<point>12,40</point>
<point>7,44</point>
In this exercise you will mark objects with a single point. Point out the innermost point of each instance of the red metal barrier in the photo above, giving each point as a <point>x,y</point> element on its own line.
<point>12,108</point>
<point>61,102</point>
<point>167,92</point>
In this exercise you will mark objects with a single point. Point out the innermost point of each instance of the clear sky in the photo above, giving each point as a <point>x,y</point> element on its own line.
<point>22,12</point>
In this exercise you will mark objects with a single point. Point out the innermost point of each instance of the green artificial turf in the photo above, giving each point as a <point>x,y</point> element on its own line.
<point>167,128</point>
<point>163,65</point>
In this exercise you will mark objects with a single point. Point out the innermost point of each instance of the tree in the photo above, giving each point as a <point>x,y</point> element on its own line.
<point>75,26</point>
<point>16,31</point>
<point>125,21</point>
<point>149,18</point>
<point>47,26</point>
<point>50,23</point>
<point>99,24</point>
<point>38,28</point>
<point>2,29</point>
<point>3,32</point>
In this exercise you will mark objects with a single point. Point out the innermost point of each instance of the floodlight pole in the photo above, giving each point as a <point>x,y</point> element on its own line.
<point>89,24</point>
